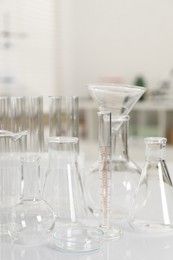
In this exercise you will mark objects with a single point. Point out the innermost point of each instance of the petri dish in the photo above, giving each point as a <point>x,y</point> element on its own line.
<point>75,239</point>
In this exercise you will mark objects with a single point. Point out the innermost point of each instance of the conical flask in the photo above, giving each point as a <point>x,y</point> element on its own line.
<point>63,187</point>
<point>64,191</point>
<point>152,209</point>
<point>125,174</point>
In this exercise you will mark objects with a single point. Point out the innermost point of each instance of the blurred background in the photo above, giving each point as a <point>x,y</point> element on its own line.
<point>57,47</point>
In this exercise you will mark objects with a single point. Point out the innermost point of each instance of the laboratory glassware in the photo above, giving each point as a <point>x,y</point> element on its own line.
<point>36,133</point>
<point>4,121</point>
<point>152,209</point>
<point>32,218</point>
<point>125,174</point>
<point>105,177</point>
<point>114,98</point>
<point>18,118</point>
<point>36,127</point>
<point>64,191</point>
<point>55,115</point>
<point>63,116</point>
<point>63,187</point>
<point>10,179</point>
<point>117,99</point>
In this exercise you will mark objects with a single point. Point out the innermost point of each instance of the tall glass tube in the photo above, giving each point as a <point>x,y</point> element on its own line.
<point>36,127</point>
<point>18,120</point>
<point>64,116</point>
<point>55,115</point>
<point>70,116</point>
<point>110,232</point>
<point>4,122</point>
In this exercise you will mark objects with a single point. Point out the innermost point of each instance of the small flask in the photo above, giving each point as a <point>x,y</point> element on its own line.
<point>152,209</point>
<point>32,218</point>
<point>63,188</point>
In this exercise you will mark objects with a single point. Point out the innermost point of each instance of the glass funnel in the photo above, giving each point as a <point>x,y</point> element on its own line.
<point>152,209</point>
<point>117,99</point>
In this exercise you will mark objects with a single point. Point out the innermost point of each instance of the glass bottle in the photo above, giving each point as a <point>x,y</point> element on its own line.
<point>152,209</point>
<point>125,174</point>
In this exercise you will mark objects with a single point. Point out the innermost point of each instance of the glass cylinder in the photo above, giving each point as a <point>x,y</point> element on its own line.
<point>63,116</point>
<point>36,126</point>
<point>63,187</point>
<point>55,116</point>
<point>105,176</point>
<point>152,209</point>
<point>125,174</point>
<point>18,120</point>
<point>4,121</point>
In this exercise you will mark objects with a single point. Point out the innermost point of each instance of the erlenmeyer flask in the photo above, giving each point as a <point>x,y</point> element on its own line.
<point>63,187</point>
<point>152,209</point>
<point>63,190</point>
<point>125,174</point>
<point>32,218</point>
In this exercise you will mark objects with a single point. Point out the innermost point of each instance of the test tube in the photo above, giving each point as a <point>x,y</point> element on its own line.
<point>70,116</point>
<point>63,116</point>
<point>109,231</point>
<point>55,115</point>
<point>36,126</point>
<point>4,122</point>
<point>18,121</point>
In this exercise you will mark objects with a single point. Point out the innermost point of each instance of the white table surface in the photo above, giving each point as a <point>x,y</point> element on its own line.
<point>131,246</point>
<point>136,246</point>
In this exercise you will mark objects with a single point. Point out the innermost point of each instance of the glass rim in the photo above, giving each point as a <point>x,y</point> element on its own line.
<point>155,140</point>
<point>63,139</point>
<point>102,86</point>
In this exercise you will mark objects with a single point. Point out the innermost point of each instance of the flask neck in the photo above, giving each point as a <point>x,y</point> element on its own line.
<point>63,150</point>
<point>155,148</point>
<point>31,177</point>
<point>120,138</point>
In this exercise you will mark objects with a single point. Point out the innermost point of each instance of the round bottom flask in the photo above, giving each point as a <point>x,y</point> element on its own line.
<point>152,209</point>
<point>32,219</point>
